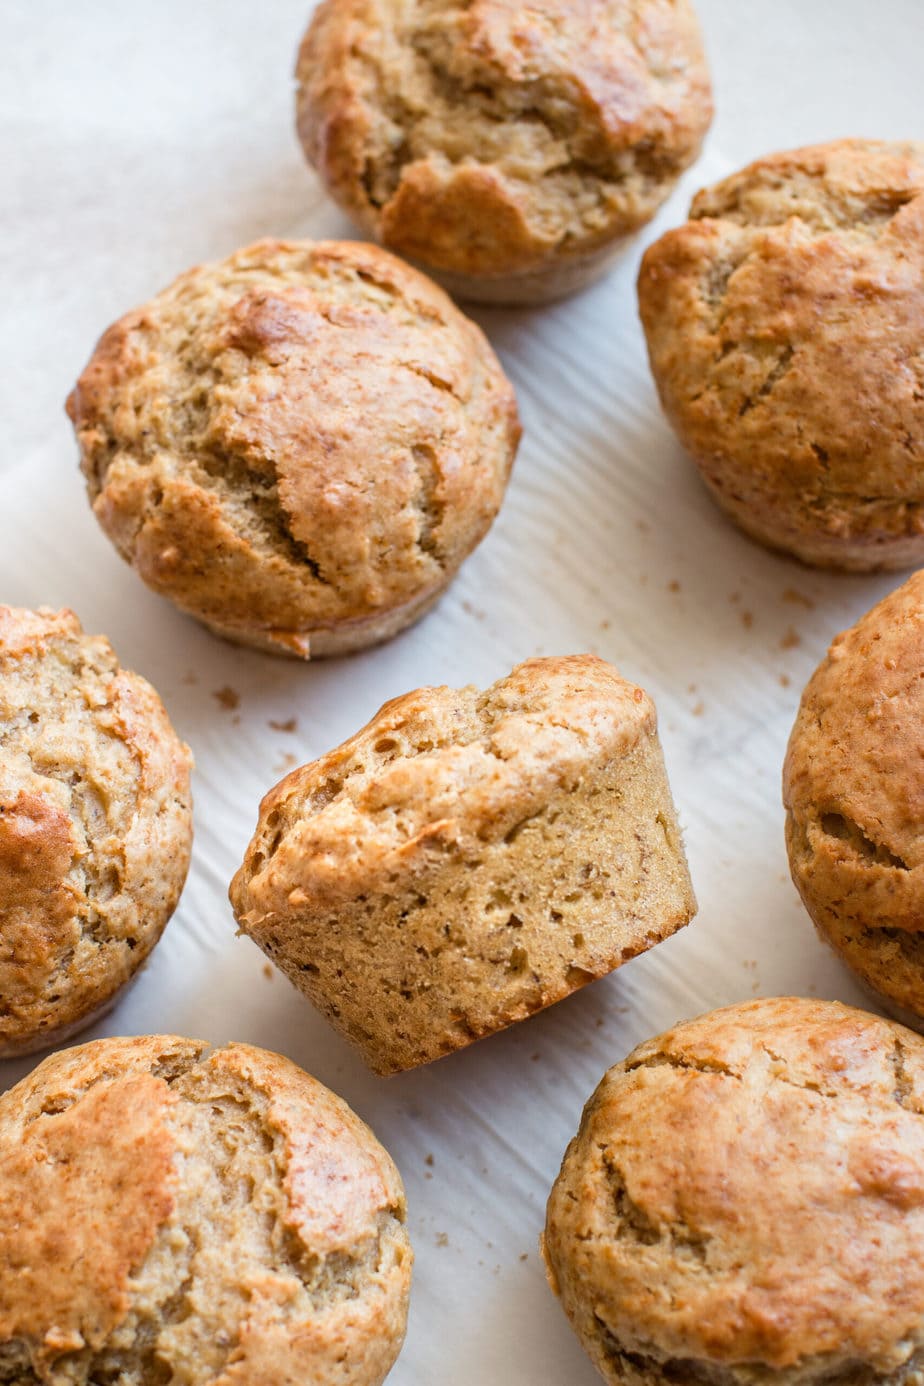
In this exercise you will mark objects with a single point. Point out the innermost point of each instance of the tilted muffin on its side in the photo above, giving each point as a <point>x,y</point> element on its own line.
<point>853,787</point>
<point>170,1214</point>
<point>506,147</point>
<point>469,858</point>
<point>298,445</point>
<point>784,326</point>
<point>744,1202</point>
<point>95,826</point>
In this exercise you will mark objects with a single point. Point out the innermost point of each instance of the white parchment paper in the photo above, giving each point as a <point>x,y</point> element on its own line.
<point>136,140</point>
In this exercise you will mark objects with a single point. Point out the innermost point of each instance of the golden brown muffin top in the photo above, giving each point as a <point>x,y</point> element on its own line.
<point>212,1217</point>
<point>853,781</point>
<point>301,435</point>
<point>746,1192</point>
<point>435,770</point>
<point>95,822</point>
<point>784,325</point>
<point>487,137</point>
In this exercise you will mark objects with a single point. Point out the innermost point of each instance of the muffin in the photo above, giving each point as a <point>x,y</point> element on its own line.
<point>507,148</point>
<point>95,826</point>
<point>170,1214</point>
<point>469,858</point>
<point>297,445</point>
<point>784,331</point>
<point>853,787</point>
<point>744,1203</point>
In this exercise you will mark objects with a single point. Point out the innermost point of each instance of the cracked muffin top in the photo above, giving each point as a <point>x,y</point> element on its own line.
<point>95,825</point>
<point>170,1214</point>
<point>745,1200</point>
<point>784,330</point>
<point>492,138</point>
<point>299,445</point>
<point>436,775</point>
<point>853,787</point>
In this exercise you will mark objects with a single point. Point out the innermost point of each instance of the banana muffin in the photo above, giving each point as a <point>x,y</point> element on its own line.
<point>173,1215</point>
<point>298,445</point>
<point>784,329</point>
<point>853,787</point>
<point>508,148</point>
<point>469,858</point>
<point>95,826</point>
<point>744,1203</point>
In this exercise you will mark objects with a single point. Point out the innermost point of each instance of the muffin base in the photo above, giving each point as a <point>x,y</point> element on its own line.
<point>891,539</point>
<point>38,1040</point>
<point>531,288</point>
<point>326,642</point>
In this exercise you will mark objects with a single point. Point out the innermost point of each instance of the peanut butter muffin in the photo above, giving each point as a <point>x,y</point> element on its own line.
<point>173,1215</point>
<point>95,826</point>
<point>298,445</point>
<point>853,787</point>
<point>508,148</point>
<point>469,858</point>
<point>784,326</point>
<point>744,1203</point>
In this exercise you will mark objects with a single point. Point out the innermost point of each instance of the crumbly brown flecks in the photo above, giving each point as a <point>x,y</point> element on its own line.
<point>302,440</point>
<point>95,824</point>
<point>853,787</point>
<point>745,1201</point>
<point>214,1219</point>
<point>489,139</point>
<point>468,858</point>
<point>783,326</point>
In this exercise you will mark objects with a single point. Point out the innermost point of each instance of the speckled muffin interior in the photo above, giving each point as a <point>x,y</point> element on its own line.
<point>468,858</point>
<point>168,1214</point>
<point>503,144</point>
<point>784,331</point>
<point>744,1204</point>
<point>95,825</point>
<point>853,786</point>
<point>299,445</point>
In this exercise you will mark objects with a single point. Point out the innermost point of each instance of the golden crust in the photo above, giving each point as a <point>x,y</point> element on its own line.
<point>468,858</point>
<point>298,445</point>
<point>783,325</point>
<point>95,825</point>
<point>505,146</point>
<point>217,1217</point>
<point>745,1200</point>
<point>853,788</point>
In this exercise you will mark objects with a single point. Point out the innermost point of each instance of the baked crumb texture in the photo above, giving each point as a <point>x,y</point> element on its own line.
<point>169,1214</point>
<point>298,445</point>
<point>95,825</point>
<point>784,331</point>
<point>469,858</point>
<point>744,1204</point>
<point>506,147</point>
<point>853,787</point>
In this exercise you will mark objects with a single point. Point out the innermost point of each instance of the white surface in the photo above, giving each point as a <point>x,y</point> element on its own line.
<point>139,139</point>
